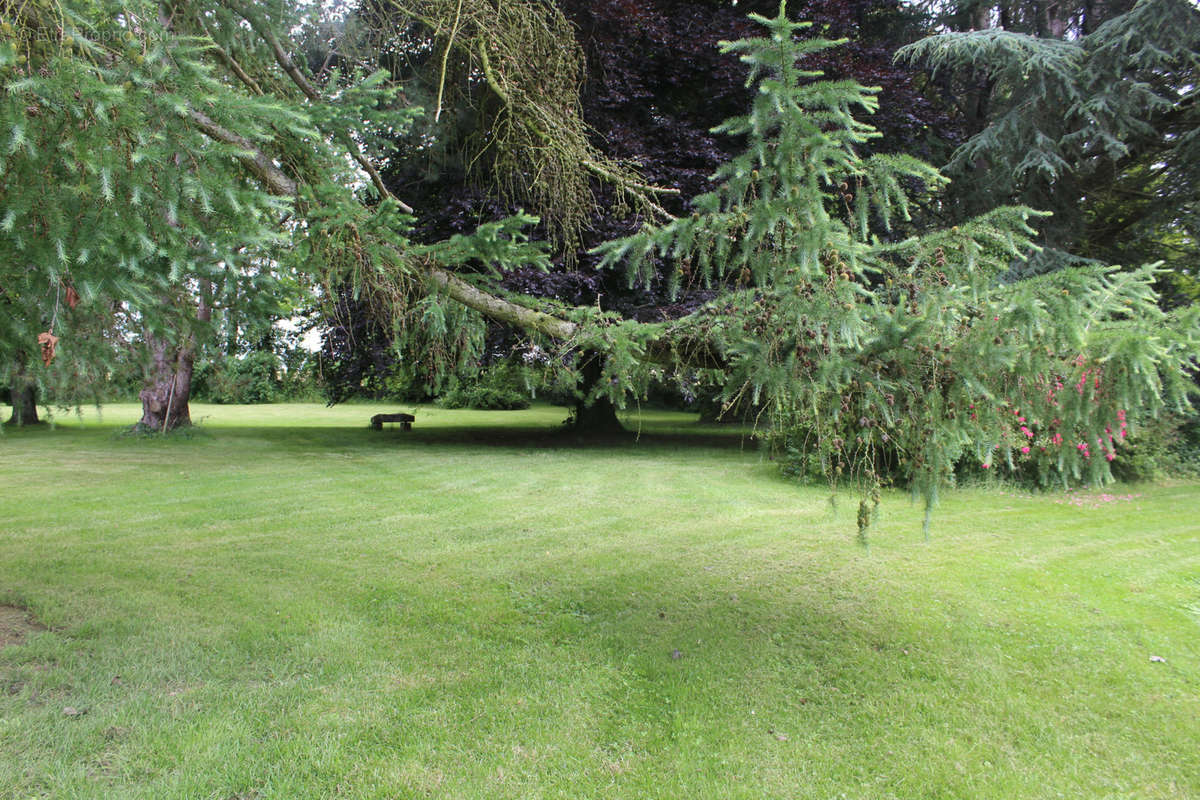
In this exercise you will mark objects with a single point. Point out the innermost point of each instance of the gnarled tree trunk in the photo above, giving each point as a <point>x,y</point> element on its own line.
<point>168,387</point>
<point>24,402</point>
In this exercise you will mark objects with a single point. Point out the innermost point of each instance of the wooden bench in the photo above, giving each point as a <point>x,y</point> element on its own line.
<point>405,420</point>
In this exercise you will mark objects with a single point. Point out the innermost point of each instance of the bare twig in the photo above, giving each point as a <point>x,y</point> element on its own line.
<point>437,114</point>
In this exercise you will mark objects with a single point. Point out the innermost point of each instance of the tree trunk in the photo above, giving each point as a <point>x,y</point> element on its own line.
<point>982,20</point>
<point>169,383</point>
<point>231,332</point>
<point>599,418</point>
<point>24,395</point>
<point>24,401</point>
<point>168,388</point>
<point>1054,20</point>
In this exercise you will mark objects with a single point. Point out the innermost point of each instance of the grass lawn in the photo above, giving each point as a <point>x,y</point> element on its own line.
<point>289,605</point>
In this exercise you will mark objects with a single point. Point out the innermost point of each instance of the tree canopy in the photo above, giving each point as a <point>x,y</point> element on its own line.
<point>653,86</point>
<point>177,148</point>
<point>1087,110</point>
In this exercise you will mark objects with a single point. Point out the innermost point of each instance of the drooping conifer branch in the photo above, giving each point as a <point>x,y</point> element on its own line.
<point>277,182</point>
<point>308,90</point>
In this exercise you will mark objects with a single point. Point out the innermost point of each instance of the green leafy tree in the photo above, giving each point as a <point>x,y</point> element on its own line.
<point>113,196</point>
<point>167,175</point>
<point>1087,110</point>
<point>863,346</point>
<point>901,357</point>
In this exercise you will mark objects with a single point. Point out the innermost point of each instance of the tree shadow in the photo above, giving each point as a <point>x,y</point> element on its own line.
<point>505,437</point>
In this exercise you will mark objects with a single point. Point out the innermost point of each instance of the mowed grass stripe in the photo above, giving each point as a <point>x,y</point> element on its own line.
<point>296,606</point>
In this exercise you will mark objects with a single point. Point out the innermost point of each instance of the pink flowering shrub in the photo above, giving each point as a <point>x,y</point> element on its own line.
<point>1047,427</point>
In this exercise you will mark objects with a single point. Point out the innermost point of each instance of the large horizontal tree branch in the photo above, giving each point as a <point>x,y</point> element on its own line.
<point>260,166</point>
<point>279,183</point>
<point>499,309</point>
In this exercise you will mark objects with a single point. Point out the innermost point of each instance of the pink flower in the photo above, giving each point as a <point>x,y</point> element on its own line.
<point>1025,450</point>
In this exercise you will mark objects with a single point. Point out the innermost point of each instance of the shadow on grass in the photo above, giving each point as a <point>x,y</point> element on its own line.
<point>653,432</point>
<point>506,437</point>
<point>638,432</point>
<point>658,646</point>
<point>680,436</point>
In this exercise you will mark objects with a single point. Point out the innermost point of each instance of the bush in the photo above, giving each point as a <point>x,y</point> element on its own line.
<point>498,388</point>
<point>250,379</point>
<point>484,398</point>
<point>401,386</point>
<point>1166,446</point>
<point>299,376</point>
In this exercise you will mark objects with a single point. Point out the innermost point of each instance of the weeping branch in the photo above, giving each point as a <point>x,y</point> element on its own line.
<point>537,145</point>
<point>693,351</point>
<point>659,346</point>
<point>437,114</point>
<point>278,183</point>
